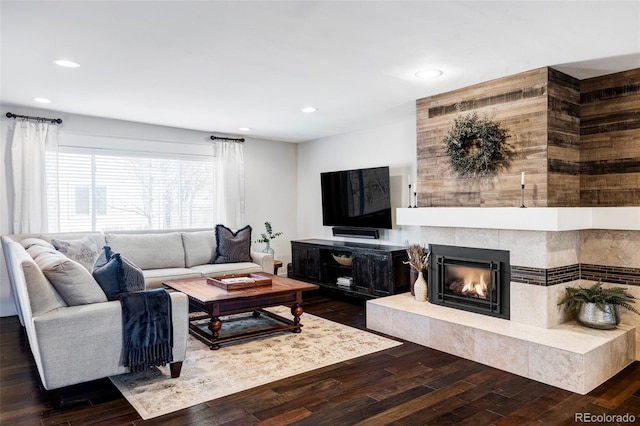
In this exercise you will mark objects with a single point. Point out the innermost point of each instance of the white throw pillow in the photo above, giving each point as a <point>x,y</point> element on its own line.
<point>75,284</point>
<point>30,242</point>
<point>84,251</point>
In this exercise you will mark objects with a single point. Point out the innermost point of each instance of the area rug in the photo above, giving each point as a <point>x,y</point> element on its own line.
<point>242,365</point>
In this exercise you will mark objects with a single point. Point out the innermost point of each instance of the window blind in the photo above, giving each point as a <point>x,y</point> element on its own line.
<point>106,188</point>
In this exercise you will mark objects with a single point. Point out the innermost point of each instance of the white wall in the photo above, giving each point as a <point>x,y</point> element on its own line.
<point>270,177</point>
<point>392,145</point>
<point>270,193</point>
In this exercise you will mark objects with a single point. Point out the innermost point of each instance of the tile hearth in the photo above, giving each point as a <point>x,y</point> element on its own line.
<point>550,249</point>
<point>568,355</point>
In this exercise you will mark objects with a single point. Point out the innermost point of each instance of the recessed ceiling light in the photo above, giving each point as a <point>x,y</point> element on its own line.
<point>244,129</point>
<point>428,73</point>
<point>42,100</point>
<point>309,109</point>
<point>66,63</point>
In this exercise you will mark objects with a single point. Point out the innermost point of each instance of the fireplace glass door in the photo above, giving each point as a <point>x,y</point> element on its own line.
<point>475,280</point>
<point>470,283</point>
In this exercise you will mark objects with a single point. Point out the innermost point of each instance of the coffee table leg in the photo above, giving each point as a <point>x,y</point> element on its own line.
<point>214,325</point>
<point>296,311</point>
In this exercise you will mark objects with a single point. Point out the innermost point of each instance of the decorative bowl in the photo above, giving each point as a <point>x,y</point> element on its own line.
<point>344,261</point>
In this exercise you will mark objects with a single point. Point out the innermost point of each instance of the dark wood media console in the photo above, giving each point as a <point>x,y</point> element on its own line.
<point>376,270</point>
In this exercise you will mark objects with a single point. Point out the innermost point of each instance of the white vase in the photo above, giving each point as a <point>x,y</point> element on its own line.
<point>420,288</point>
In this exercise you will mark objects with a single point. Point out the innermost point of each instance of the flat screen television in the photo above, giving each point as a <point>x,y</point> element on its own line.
<point>357,198</point>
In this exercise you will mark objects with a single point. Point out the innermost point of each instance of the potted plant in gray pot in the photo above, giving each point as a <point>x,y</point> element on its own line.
<point>597,306</point>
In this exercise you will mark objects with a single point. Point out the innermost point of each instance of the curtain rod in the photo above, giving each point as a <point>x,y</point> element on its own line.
<point>218,138</point>
<point>28,117</point>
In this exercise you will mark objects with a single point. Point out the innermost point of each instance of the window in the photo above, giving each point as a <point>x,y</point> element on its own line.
<point>103,189</point>
<point>83,201</point>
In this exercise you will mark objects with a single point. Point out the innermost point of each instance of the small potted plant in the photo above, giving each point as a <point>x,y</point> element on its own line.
<point>266,237</point>
<point>418,259</point>
<point>598,306</point>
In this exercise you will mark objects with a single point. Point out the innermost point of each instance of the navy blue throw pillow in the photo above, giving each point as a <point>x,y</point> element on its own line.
<point>116,275</point>
<point>232,247</point>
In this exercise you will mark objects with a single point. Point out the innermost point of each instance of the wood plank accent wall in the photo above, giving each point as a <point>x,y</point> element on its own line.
<point>577,141</point>
<point>520,104</point>
<point>610,140</point>
<point>563,140</point>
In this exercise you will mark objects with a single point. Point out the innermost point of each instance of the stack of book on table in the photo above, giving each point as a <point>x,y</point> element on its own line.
<point>344,281</point>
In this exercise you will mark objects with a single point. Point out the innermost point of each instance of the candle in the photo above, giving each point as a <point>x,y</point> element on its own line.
<point>522,179</point>
<point>409,177</point>
<point>415,188</point>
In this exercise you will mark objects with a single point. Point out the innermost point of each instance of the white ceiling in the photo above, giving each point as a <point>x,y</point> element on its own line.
<point>220,65</point>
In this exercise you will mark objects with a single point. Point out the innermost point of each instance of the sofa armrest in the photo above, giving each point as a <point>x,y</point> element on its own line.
<point>265,260</point>
<point>81,343</point>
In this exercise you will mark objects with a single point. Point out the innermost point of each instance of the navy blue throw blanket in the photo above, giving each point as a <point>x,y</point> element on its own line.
<point>147,329</point>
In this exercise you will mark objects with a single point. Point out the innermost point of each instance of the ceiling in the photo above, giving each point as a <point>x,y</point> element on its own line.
<point>217,66</point>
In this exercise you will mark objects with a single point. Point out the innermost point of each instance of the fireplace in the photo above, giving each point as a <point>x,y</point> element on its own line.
<point>471,279</point>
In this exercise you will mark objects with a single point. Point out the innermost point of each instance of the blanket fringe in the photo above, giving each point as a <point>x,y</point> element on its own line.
<point>141,359</point>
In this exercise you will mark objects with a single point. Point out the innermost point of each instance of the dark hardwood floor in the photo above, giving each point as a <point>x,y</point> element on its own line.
<point>406,385</point>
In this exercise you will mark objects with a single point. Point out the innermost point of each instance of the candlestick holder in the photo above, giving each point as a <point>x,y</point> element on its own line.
<point>522,197</point>
<point>409,195</point>
<point>415,198</point>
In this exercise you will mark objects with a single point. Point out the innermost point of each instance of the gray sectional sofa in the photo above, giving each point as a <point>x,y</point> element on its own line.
<point>165,256</point>
<point>81,342</point>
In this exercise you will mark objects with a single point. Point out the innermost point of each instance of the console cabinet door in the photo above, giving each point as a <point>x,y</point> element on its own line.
<point>305,262</point>
<point>360,273</point>
<point>381,274</point>
<point>372,273</point>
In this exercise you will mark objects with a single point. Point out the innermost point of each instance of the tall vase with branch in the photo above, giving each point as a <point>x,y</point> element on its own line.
<point>418,260</point>
<point>266,237</point>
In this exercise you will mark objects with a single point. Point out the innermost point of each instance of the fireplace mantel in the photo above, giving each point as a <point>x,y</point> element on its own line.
<point>524,219</point>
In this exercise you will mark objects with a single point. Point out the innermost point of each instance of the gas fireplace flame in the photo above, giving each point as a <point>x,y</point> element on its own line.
<point>472,285</point>
<point>475,289</point>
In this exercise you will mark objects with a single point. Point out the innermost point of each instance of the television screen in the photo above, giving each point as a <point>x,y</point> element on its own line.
<point>357,198</point>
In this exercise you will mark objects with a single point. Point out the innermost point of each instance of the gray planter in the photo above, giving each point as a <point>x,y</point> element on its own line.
<point>592,316</point>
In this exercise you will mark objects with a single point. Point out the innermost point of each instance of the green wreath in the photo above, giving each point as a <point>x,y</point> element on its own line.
<point>477,146</point>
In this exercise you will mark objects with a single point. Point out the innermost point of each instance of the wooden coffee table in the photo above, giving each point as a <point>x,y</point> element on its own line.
<point>215,302</point>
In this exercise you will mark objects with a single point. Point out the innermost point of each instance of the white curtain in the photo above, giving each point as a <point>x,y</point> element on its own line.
<point>29,150</point>
<point>229,181</point>
<point>34,148</point>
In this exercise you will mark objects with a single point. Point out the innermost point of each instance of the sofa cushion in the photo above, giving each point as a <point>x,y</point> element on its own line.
<point>116,275</point>
<point>43,297</point>
<point>155,277</point>
<point>199,247</point>
<point>84,250</point>
<point>218,270</point>
<point>232,246</point>
<point>97,236</point>
<point>74,283</point>
<point>29,242</point>
<point>35,250</point>
<point>149,251</point>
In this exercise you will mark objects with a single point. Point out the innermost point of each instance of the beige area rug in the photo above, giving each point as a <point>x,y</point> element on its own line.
<point>242,365</point>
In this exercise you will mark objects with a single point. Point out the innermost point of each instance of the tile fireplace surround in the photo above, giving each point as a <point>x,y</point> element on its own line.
<point>550,249</point>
